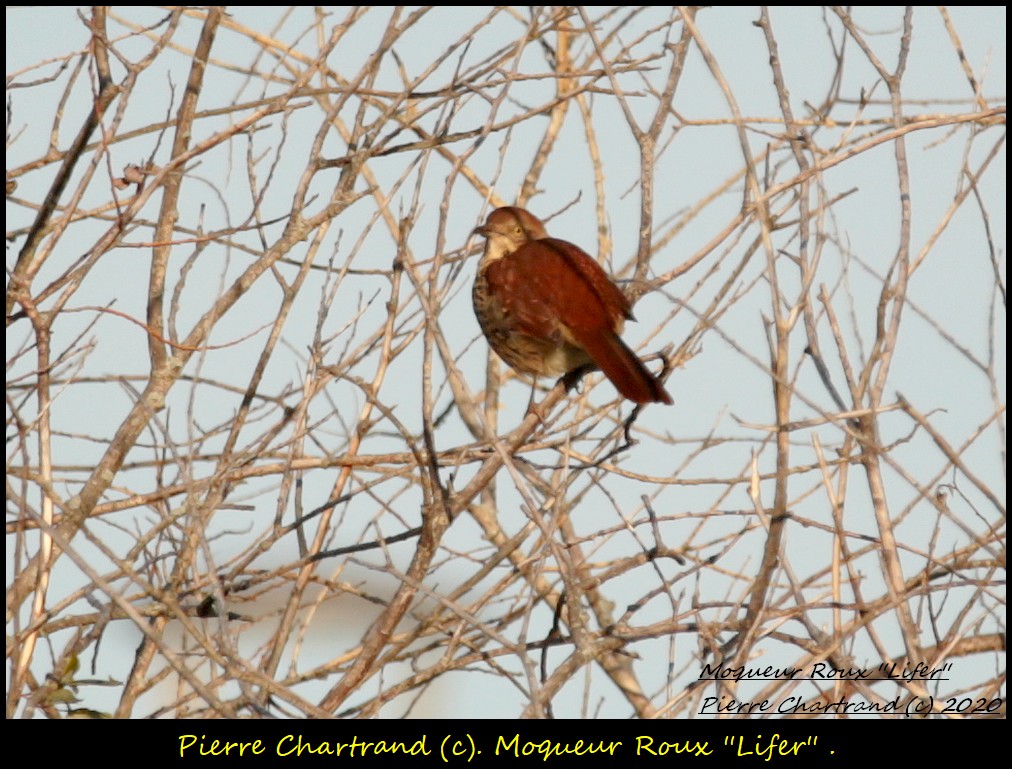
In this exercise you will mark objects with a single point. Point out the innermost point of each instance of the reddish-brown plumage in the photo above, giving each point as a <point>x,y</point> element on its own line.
<point>547,308</point>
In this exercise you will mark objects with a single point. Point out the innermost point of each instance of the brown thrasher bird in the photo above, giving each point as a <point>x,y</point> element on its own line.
<point>548,309</point>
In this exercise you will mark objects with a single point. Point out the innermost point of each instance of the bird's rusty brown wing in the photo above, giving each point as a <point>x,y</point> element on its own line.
<point>552,291</point>
<point>549,285</point>
<point>594,276</point>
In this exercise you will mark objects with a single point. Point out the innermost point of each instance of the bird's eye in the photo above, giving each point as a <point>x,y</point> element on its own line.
<point>518,230</point>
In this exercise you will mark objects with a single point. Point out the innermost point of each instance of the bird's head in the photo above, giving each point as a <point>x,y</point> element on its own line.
<point>509,228</point>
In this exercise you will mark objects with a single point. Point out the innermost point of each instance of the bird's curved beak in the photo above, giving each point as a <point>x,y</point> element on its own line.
<point>481,230</point>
